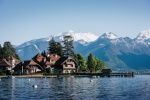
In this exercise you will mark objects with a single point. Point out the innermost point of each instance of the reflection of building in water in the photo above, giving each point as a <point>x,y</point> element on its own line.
<point>12,88</point>
<point>9,85</point>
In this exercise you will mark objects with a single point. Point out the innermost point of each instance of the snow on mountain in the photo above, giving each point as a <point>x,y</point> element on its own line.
<point>37,48</point>
<point>109,35</point>
<point>144,35</point>
<point>116,51</point>
<point>83,38</point>
<point>80,37</point>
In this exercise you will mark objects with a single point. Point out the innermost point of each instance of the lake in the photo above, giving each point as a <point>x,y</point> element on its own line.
<point>76,88</point>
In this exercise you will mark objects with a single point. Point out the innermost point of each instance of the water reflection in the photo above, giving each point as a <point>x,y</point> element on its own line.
<point>75,88</point>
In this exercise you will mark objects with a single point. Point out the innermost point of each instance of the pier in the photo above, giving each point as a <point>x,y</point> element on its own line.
<point>112,74</point>
<point>122,74</point>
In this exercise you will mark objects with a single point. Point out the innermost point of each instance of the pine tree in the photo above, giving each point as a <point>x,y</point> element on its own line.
<point>7,51</point>
<point>55,47</point>
<point>43,54</point>
<point>68,46</point>
<point>58,49</point>
<point>52,46</point>
<point>1,50</point>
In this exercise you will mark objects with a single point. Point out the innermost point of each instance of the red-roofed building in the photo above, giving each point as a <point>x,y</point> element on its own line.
<point>7,64</point>
<point>27,67</point>
<point>65,65</point>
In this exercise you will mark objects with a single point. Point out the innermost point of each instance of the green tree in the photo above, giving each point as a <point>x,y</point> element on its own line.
<point>81,62</point>
<point>102,65</point>
<point>55,47</point>
<point>94,64</point>
<point>8,50</point>
<point>1,50</point>
<point>68,46</point>
<point>43,54</point>
<point>99,64</point>
<point>58,49</point>
<point>52,46</point>
<point>91,63</point>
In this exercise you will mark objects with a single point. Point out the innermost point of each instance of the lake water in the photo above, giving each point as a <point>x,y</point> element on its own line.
<point>76,88</point>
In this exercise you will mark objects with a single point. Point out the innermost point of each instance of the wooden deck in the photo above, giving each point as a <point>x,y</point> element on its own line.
<point>112,74</point>
<point>122,74</point>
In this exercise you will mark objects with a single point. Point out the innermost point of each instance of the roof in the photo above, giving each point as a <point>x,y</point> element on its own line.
<point>7,61</point>
<point>38,57</point>
<point>4,62</point>
<point>48,63</point>
<point>63,59</point>
<point>54,57</point>
<point>27,63</point>
<point>30,62</point>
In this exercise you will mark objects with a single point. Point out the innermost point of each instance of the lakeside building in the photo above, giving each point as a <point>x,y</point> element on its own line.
<point>27,67</point>
<point>65,65</point>
<point>7,64</point>
<point>52,62</point>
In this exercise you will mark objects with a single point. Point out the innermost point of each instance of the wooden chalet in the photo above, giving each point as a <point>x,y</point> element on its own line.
<point>38,58</point>
<point>50,61</point>
<point>27,67</point>
<point>65,65</point>
<point>7,64</point>
<point>46,62</point>
<point>52,58</point>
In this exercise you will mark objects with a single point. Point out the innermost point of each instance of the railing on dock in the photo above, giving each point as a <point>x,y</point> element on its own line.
<point>112,74</point>
<point>131,74</point>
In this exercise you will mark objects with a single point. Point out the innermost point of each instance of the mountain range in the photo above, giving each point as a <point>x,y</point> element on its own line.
<point>119,53</point>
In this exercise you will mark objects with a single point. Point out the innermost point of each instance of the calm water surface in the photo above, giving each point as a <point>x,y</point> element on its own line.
<point>76,88</point>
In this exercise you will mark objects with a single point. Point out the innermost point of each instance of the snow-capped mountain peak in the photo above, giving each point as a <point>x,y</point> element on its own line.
<point>109,35</point>
<point>86,37</point>
<point>144,35</point>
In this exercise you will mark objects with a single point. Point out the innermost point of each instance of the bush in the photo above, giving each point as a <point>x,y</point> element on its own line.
<point>2,74</point>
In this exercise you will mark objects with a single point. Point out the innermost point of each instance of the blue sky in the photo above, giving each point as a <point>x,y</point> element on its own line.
<point>24,20</point>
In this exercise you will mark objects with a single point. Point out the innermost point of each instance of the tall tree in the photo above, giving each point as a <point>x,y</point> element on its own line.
<point>8,50</point>
<point>43,54</point>
<point>52,46</point>
<point>94,64</point>
<point>1,50</point>
<point>58,49</point>
<point>68,46</point>
<point>99,64</point>
<point>91,63</point>
<point>81,62</point>
<point>102,65</point>
<point>55,47</point>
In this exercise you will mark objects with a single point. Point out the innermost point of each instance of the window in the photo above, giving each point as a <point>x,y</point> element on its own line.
<point>52,60</point>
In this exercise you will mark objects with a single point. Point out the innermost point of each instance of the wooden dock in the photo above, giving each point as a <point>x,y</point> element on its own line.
<point>112,74</point>
<point>122,74</point>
